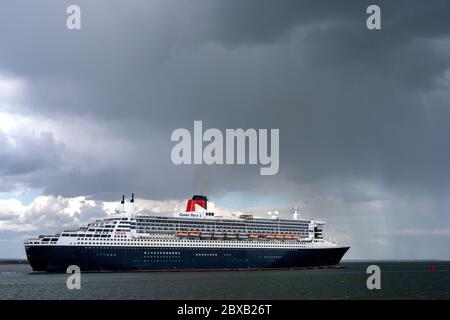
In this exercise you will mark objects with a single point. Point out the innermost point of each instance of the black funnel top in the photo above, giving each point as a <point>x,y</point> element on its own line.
<point>199,197</point>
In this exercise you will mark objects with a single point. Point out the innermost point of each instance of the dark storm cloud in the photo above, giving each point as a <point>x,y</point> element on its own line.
<point>145,69</point>
<point>349,80</point>
<point>313,61</point>
<point>26,155</point>
<point>265,21</point>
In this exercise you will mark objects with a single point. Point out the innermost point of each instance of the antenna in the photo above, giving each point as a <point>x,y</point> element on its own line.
<point>295,212</point>
<point>131,204</point>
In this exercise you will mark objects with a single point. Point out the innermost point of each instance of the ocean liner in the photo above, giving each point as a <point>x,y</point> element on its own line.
<point>195,239</point>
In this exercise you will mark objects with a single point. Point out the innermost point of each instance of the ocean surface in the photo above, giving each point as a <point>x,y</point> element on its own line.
<point>399,280</point>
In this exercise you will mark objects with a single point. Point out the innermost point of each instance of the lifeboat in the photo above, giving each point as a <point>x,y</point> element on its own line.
<point>230,235</point>
<point>205,235</point>
<point>243,236</point>
<point>279,236</point>
<point>270,236</point>
<point>194,234</point>
<point>218,235</point>
<point>183,234</point>
<point>253,236</point>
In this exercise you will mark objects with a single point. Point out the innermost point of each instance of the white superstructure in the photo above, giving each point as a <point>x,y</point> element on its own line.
<point>199,228</point>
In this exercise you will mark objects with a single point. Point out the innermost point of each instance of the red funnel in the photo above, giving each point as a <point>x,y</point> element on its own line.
<point>200,200</point>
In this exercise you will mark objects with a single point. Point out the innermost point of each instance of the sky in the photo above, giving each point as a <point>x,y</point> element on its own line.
<point>87,115</point>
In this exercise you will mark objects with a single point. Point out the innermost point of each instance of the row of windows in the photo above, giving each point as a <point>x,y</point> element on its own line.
<point>217,227</point>
<point>189,245</point>
<point>161,260</point>
<point>162,252</point>
<point>158,221</point>
<point>221,229</point>
<point>163,223</point>
<point>175,226</point>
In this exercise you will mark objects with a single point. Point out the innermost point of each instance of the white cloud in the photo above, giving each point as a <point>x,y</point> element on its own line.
<point>47,213</point>
<point>10,208</point>
<point>57,213</point>
<point>11,93</point>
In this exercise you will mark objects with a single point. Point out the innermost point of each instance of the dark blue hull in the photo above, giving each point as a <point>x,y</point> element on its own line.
<point>89,258</point>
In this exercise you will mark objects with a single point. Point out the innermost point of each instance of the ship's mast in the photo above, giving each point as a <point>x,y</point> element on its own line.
<point>131,204</point>
<point>295,213</point>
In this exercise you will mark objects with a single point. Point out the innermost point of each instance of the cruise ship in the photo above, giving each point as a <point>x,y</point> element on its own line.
<point>195,239</point>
